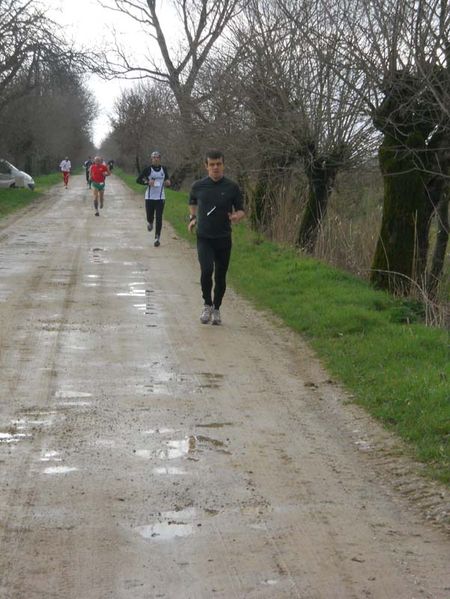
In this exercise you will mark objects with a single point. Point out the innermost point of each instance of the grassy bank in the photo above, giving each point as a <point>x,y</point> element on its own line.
<point>12,200</point>
<point>393,365</point>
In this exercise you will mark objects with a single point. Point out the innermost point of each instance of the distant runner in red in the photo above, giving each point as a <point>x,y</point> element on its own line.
<point>97,174</point>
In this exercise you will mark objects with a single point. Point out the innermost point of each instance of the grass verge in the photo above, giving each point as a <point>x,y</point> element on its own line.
<point>12,200</point>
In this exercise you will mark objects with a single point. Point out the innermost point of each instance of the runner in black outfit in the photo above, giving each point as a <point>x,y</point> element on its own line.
<point>215,202</point>
<point>156,178</point>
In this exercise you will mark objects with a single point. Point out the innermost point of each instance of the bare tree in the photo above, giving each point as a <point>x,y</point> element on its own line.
<point>399,51</point>
<point>28,47</point>
<point>51,120</point>
<point>144,120</point>
<point>303,113</point>
<point>203,22</point>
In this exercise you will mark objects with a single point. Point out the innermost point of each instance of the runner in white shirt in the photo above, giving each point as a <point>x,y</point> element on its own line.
<point>156,178</point>
<point>65,167</point>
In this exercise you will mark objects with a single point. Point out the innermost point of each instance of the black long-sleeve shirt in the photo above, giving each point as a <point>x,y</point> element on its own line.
<point>215,200</point>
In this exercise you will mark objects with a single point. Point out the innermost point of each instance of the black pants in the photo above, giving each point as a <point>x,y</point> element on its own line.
<point>214,257</point>
<point>152,206</point>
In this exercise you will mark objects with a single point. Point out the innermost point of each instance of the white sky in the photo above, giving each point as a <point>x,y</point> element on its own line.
<point>90,25</point>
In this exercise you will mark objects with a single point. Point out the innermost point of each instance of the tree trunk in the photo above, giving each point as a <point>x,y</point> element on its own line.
<point>435,273</point>
<point>406,212</point>
<point>321,180</point>
<point>261,198</point>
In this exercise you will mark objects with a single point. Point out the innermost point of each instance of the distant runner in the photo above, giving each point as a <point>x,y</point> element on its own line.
<point>215,203</point>
<point>65,168</point>
<point>97,174</point>
<point>156,177</point>
<point>87,165</point>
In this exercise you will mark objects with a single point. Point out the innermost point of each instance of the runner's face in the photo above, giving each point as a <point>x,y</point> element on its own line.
<point>156,160</point>
<point>215,168</point>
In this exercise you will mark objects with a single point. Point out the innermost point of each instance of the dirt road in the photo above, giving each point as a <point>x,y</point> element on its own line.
<point>145,455</point>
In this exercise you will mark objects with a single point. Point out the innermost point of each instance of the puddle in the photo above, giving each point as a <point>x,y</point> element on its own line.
<point>75,404</point>
<point>170,471</point>
<point>12,437</point>
<point>212,443</point>
<point>164,531</point>
<point>59,470</point>
<point>133,291</point>
<point>215,425</point>
<point>97,256</point>
<point>213,380</point>
<point>24,423</point>
<point>209,441</point>
<point>176,525</point>
<point>105,443</point>
<point>184,447</point>
<point>67,394</point>
<point>178,449</point>
<point>144,453</point>
<point>51,456</point>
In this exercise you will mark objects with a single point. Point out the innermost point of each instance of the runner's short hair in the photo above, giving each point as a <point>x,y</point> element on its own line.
<point>213,154</point>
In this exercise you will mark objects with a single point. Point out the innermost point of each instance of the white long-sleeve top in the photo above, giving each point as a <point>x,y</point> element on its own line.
<point>65,165</point>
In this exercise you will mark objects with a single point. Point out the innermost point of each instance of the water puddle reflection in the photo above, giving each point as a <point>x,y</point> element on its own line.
<point>213,380</point>
<point>69,394</point>
<point>59,470</point>
<point>12,437</point>
<point>51,456</point>
<point>215,425</point>
<point>182,448</point>
<point>137,291</point>
<point>170,471</point>
<point>75,404</point>
<point>178,448</point>
<point>97,256</point>
<point>175,525</point>
<point>159,431</point>
<point>164,531</point>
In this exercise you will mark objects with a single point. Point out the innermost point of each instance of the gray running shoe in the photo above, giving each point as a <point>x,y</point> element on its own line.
<point>216,317</point>
<point>156,244</point>
<point>205,316</point>
<point>97,213</point>
<point>149,226</point>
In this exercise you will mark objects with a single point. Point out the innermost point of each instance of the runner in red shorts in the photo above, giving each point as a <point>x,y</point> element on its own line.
<point>97,174</point>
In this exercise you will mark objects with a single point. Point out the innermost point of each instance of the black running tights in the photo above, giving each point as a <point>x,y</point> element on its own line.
<point>152,206</point>
<point>214,257</point>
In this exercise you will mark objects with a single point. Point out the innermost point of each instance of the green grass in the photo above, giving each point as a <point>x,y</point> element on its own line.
<point>394,366</point>
<point>12,200</point>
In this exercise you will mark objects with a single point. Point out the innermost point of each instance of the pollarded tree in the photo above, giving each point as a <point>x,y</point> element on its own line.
<point>399,50</point>
<point>303,114</point>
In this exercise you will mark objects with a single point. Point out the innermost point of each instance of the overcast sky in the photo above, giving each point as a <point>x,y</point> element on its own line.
<point>89,24</point>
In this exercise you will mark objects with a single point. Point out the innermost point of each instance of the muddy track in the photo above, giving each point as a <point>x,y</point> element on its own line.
<point>143,454</point>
